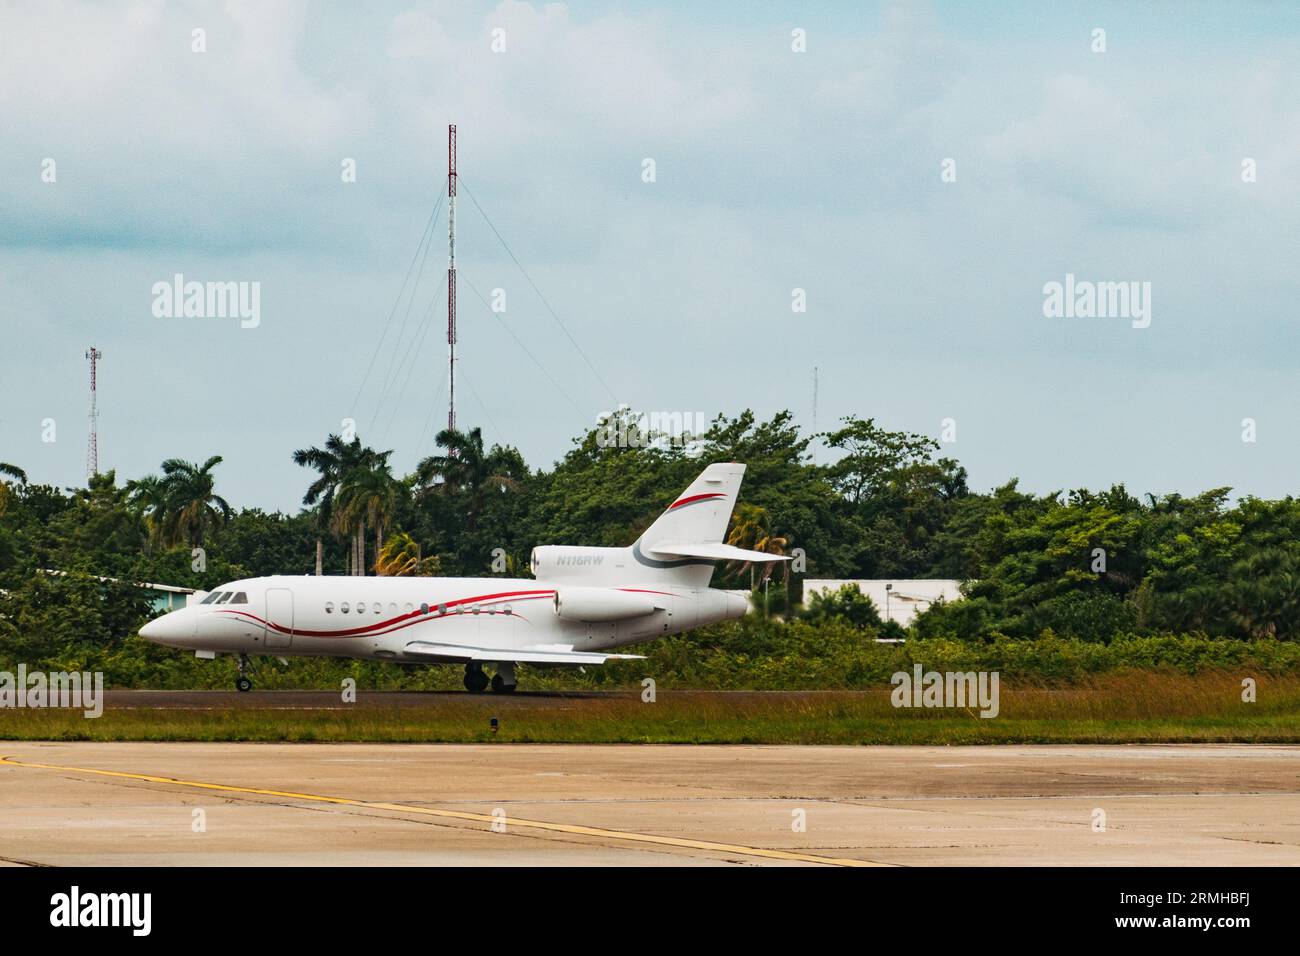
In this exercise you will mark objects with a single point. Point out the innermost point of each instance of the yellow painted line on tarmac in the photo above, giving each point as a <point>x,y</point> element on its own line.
<point>569,828</point>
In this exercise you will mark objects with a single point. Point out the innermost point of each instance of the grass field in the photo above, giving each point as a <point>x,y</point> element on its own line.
<point>1123,707</point>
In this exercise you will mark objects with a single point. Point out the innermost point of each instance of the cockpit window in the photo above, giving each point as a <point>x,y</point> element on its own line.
<point>241,597</point>
<point>224,597</point>
<point>211,597</point>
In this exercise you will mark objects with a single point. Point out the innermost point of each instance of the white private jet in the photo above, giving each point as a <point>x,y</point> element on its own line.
<point>581,603</point>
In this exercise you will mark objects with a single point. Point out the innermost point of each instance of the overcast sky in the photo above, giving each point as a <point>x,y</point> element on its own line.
<point>774,170</point>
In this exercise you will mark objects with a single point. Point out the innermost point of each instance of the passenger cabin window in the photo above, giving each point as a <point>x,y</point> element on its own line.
<point>378,608</point>
<point>424,609</point>
<point>407,607</point>
<point>329,607</point>
<point>344,607</point>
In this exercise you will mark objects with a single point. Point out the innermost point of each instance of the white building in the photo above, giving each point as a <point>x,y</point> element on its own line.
<point>897,599</point>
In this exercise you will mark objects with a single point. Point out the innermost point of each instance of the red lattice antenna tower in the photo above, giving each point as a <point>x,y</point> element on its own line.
<point>451,276</point>
<point>92,444</point>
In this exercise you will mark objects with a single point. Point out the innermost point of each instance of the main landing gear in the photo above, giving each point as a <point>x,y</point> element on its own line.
<point>499,686</point>
<point>475,680</point>
<point>503,682</point>
<point>242,683</point>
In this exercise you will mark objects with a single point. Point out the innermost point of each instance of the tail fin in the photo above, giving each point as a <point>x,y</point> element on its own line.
<point>680,548</point>
<point>686,540</point>
<point>701,512</point>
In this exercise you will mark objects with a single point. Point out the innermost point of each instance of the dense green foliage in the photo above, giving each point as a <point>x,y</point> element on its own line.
<point>752,654</point>
<point>1080,568</point>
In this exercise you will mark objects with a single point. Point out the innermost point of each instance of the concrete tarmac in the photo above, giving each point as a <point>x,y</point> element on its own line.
<point>125,804</point>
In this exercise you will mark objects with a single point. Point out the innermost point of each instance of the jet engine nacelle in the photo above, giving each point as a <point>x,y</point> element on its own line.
<point>601,604</point>
<point>555,562</point>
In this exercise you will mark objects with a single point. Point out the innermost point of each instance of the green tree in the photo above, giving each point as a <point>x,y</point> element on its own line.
<point>193,506</point>
<point>751,529</point>
<point>10,471</point>
<point>149,497</point>
<point>872,455</point>
<point>334,462</point>
<point>847,604</point>
<point>469,472</point>
<point>368,496</point>
<point>401,557</point>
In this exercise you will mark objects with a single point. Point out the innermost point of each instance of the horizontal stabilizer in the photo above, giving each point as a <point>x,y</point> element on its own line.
<point>714,551</point>
<point>535,654</point>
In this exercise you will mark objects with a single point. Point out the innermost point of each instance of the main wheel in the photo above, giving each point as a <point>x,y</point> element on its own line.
<point>243,684</point>
<point>499,686</point>
<point>476,681</point>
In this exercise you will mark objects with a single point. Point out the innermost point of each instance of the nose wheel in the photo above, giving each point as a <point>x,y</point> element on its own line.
<point>242,682</point>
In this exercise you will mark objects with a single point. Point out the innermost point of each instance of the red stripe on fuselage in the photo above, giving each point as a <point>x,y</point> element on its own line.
<point>395,623</point>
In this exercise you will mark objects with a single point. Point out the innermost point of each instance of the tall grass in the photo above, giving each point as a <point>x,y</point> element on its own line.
<point>1120,707</point>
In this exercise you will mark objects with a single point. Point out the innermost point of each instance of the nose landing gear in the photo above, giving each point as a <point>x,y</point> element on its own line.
<point>242,683</point>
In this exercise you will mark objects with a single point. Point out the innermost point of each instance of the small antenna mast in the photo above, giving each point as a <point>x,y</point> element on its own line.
<point>814,416</point>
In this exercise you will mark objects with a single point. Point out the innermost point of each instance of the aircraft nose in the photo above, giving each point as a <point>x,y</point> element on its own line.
<point>171,628</point>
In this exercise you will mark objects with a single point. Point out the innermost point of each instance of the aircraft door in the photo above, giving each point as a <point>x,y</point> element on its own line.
<point>279,617</point>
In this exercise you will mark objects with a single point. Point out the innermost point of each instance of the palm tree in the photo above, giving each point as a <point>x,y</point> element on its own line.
<point>149,496</point>
<point>328,461</point>
<point>467,469</point>
<point>193,507</point>
<point>401,557</point>
<point>368,495</point>
<point>1265,599</point>
<point>336,460</point>
<point>750,529</point>
<point>12,471</point>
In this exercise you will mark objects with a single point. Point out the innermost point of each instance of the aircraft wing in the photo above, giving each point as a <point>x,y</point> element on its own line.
<point>532,654</point>
<point>716,551</point>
